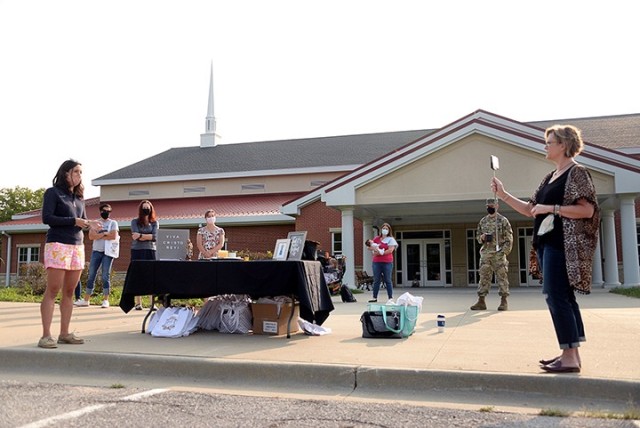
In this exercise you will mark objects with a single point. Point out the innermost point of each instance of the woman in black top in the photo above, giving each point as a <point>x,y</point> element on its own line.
<point>566,225</point>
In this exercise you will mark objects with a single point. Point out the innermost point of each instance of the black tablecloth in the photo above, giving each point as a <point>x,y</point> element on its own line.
<point>259,278</point>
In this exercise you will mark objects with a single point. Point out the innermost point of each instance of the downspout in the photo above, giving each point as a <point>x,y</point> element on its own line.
<point>8,272</point>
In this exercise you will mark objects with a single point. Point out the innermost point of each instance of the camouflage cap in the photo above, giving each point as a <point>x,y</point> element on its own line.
<point>492,201</point>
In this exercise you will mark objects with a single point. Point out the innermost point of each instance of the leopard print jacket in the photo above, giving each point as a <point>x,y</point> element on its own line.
<point>580,235</point>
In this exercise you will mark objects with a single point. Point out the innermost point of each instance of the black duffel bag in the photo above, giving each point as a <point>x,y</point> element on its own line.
<point>374,326</point>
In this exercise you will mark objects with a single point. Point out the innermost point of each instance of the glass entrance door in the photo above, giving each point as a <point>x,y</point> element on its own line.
<point>424,263</point>
<point>525,237</point>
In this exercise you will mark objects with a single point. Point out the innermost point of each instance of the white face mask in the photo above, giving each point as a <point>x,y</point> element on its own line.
<point>385,232</point>
<point>211,220</point>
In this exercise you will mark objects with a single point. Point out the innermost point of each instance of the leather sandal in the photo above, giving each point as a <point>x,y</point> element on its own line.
<point>545,362</point>
<point>557,367</point>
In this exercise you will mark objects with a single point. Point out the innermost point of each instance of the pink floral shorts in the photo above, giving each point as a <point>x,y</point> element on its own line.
<point>63,256</point>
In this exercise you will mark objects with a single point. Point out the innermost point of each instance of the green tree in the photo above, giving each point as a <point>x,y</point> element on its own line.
<point>19,200</point>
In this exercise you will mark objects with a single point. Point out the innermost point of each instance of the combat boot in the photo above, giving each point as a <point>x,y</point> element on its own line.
<point>503,304</point>
<point>480,305</point>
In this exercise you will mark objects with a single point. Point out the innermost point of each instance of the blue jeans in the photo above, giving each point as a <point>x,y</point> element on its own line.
<point>382,271</point>
<point>560,297</point>
<point>98,258</point>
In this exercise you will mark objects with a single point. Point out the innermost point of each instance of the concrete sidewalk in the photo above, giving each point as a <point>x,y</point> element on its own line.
<point>482,357</point>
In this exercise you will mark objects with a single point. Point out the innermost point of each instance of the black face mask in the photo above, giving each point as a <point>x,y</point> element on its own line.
<point>146,211</point>
<point>104,214</point>
<point>491,210</point>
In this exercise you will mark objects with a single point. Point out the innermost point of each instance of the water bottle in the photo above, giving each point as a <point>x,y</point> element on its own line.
<point>441,323</point>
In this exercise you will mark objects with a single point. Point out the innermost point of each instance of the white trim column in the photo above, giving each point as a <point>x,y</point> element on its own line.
<point>611,278</point>
<point>348,247</point>
<point>367,233</point>
<point>596,267</point>
<point>630,269</point>
<point>7,279</point>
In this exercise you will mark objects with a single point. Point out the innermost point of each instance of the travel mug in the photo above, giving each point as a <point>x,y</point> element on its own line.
<point>441,323</point>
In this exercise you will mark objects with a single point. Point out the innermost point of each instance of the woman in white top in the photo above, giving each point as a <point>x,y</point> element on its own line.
<point>210,237</point>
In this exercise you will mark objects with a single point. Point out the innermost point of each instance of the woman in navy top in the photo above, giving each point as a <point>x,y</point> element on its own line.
<point>63,210</point>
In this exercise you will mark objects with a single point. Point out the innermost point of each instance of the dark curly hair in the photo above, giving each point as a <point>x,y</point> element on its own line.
<point>60,179</point>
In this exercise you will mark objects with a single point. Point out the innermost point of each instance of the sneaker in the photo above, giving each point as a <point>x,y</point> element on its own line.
<point>373,301</point>
<point>138,307</point>
<point>81,302</point>
<point>47,342</point>
<point>390,302</point>
<point>105,304</point>
<point>70,339</point>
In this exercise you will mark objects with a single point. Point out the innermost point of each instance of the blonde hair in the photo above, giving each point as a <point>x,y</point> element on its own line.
<point>568,135</point>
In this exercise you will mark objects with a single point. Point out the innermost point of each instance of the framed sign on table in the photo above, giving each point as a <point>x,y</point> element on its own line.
<point>172,244</point>
<point>282,249</point>
<point>296,247</point>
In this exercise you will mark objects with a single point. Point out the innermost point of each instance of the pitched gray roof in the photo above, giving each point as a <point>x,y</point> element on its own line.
<point>612,132</point>
<point>325,152</point>
<point>268,155</point>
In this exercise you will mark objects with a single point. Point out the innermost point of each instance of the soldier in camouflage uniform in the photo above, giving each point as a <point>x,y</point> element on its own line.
<point>492,258</point>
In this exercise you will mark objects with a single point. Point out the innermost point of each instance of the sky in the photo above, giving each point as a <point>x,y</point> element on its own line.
<point>110,83</point>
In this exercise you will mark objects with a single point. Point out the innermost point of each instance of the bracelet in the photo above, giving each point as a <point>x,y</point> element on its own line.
<point>556,210</point>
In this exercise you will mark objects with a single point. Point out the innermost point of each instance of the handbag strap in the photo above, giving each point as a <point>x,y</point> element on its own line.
<point>396,314</point>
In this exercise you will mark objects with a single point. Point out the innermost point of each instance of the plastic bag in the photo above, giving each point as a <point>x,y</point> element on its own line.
<point>311,329</point>
<point>408,299</point>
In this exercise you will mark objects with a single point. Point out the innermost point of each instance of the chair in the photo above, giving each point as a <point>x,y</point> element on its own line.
<point>363,280</point>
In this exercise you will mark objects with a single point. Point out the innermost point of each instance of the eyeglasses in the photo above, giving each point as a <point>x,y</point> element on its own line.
<point>548,143</point>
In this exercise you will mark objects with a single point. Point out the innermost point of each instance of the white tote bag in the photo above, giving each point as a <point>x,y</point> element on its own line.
<point>173,322</point>
<point>112,247</point>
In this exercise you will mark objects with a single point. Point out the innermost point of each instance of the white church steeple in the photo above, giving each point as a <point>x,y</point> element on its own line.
<point>210,138</point>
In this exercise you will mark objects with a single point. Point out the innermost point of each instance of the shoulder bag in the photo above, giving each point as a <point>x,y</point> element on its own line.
<point>377,325</point>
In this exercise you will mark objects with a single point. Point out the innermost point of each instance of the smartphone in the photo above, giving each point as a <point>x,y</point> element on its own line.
<point>495,162</point>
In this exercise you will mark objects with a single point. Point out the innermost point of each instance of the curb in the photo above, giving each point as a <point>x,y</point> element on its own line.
<point>320,379</point>
<point>414,382</point>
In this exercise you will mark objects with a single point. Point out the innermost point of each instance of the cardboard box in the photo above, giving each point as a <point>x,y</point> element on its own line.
<point>267,321</point>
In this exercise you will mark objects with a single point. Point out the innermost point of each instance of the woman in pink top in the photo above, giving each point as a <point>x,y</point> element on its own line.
<point>383,263</point>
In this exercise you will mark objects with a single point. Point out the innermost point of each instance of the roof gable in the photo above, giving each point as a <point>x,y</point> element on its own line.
<point>344,190</point>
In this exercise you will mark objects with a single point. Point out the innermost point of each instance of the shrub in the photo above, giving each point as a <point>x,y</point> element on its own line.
<point>32,279</point>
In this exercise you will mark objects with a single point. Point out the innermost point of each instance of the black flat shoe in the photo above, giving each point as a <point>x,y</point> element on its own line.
<point>545,362</point>
<point>557,367</point>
